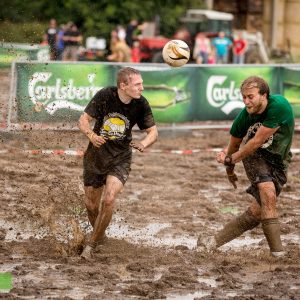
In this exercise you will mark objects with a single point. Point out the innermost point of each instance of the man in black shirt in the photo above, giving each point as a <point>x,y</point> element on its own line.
<point>72,39</point>
<point>51,38</point>
<point>108,157</point>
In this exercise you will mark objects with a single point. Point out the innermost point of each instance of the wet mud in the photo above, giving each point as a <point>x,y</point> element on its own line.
<point>150,253</point>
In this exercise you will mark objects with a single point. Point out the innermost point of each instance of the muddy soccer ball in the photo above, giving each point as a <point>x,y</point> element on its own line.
<point>176,53</point>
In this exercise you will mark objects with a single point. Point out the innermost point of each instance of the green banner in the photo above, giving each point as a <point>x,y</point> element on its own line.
<point>59,91</point>
<point>10,52</point>
<point>291,87</point>
<point>169,92</point>
<point>218,90</point>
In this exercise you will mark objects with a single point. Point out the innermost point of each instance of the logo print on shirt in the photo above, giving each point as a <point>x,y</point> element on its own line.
<point>114,126</point>
<point>252,131</point>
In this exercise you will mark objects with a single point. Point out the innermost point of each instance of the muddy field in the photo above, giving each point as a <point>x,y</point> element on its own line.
<point>168,200</point>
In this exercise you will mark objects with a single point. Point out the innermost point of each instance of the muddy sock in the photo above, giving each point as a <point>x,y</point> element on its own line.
<point>236,227</point>
<point>271,231</point>
<point>92,244</point>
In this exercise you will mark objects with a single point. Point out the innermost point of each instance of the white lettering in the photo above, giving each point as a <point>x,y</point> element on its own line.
<point>229,98</point>
<point>58,95</point>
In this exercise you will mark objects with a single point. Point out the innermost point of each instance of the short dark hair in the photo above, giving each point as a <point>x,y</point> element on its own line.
<point>125,74</point>
<point>258,82</point>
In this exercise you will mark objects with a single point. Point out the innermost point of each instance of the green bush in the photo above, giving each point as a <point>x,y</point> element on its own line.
<point>22,32</point>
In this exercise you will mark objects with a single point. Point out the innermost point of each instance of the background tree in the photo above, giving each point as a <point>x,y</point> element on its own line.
<point>25,21</point>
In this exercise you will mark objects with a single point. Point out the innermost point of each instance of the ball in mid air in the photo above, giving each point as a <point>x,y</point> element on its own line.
<point>176,53</point>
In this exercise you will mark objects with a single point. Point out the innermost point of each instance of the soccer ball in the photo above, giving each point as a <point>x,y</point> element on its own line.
<point>176,53</point>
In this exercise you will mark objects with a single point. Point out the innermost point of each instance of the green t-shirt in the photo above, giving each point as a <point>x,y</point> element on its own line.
<point>278,113</point>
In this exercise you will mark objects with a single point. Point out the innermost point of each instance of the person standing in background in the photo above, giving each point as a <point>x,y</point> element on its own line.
<point>120,51</point>
<point>60,41</point>
<point>129,38</point>
<point>51,38</point>
<point>202,49</point>
<point>72,39</point>
<point>222,45</point>
<point>239,49</point>
<point>136,52</point>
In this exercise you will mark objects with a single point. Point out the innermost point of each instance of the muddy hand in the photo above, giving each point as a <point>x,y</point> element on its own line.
<point>232,178</point>
<point>220,157</point>
<point>137,145</point>
<point>97,140</point>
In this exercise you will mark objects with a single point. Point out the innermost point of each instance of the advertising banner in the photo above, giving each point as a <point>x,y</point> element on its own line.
<point>218,90</point>
<point>291,87</point>
<point>169,92</point>
<point>10,52</point>
<point>58,92</point>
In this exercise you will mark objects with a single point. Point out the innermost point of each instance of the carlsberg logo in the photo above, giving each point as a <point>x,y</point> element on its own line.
<point>60,95</point>
<point>227,97</point>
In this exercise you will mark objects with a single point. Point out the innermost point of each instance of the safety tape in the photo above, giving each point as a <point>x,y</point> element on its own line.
<point>71,152</point>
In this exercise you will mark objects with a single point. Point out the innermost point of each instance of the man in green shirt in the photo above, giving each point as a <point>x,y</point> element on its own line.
<point>266,125</point>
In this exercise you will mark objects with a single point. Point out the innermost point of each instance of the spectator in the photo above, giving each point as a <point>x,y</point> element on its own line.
<point>51,38</point>
<point>72,40</point>
<point>120,51</point>
<point>132,26</point>
<point>202,49</point>
<point>113,40</point>
<point>136,52</point>
<point>211,57</point>
<point>239,49</point>
<point>121,32</point>
<point>60,42</point>
<point>222,45</point>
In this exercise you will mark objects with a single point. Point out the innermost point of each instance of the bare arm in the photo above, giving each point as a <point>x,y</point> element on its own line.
<point>85,128</point>
<point>262,134</point>
<point>233,147</point>
<point>150,138</point>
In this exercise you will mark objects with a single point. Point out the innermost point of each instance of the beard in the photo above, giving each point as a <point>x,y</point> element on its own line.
<point>256,109</point>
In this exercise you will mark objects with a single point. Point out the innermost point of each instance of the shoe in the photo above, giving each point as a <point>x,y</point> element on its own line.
<point>87,252</point>
<point>278,253</point>
<point>206,244</point>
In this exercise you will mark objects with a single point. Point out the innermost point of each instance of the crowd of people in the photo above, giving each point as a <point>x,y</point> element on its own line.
<point>219,49</point>
<point>65,40</point>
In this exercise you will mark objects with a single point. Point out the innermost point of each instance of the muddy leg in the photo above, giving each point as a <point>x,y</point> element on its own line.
<point>269,216</point>
<point>92,200</point>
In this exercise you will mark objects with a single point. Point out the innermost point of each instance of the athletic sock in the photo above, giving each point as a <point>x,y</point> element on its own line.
<point>271,231</point>
<point>236,227</point>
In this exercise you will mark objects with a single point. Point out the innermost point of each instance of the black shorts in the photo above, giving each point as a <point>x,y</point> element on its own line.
<point>259,170</point>
<point>97,168</point>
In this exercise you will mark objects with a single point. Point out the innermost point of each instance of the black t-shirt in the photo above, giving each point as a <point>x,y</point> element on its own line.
<point>71,33</point>
<point>51,36</point>
<point>115,120</point>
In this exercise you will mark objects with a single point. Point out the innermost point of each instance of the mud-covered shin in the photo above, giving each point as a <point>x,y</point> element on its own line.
<point>236,227</point>
<point>271,231</point>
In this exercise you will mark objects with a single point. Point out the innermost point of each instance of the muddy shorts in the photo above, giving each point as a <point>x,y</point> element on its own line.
<point>259,170</point>
<point>95,172</point>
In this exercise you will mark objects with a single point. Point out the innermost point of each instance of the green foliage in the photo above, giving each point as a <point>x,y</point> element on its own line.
<point>22,32</point>
<point>93,17</point>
